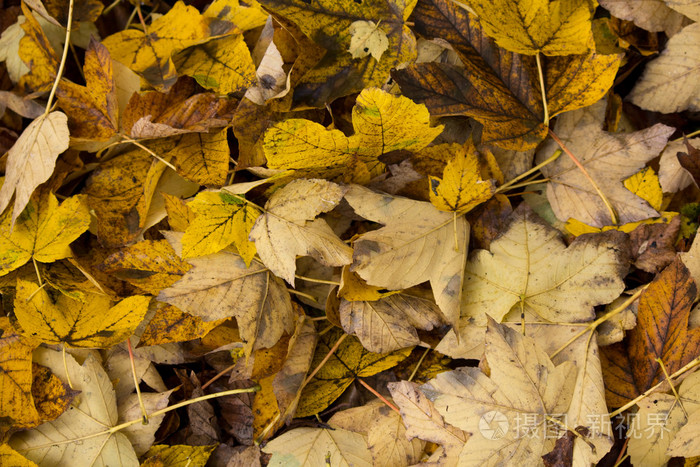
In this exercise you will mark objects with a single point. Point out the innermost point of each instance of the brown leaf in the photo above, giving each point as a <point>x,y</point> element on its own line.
<point>661,332</point>
<point>498,88</point>
<point>563,453</point>
<point>51,395</point>
<point>92,109</point>
<point>653,245</point>
<point>157,115</point>
<point>690,161</point>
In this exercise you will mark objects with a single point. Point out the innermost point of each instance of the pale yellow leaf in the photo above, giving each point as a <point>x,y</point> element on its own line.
<point>288,227</point>
<point>671,82</point>
<point>60,442</point>
<point>31,160</point>
<point>417,244</point>
<point>319,446</point>
<point>367,39</point>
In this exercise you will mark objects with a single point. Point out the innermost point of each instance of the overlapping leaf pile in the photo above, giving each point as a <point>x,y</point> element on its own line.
<point>222,220</point>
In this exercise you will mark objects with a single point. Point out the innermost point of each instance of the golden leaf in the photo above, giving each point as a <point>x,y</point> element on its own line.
<point>16,401</point>
<point>89,324</point>
<point>36,51</point>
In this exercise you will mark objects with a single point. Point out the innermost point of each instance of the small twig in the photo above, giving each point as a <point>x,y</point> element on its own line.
<point>318,281</point>
<point>673,388</point>
<point>141,146</point>
<point>323,362</point>
<point>420,361</point>
<point>544,92</point>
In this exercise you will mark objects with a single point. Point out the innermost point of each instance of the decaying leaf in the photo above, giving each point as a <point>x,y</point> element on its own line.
<point>661,332</point>
<point>93,323</point>
<point>418,243</point>
<point>43,231</point>
<point>92,110</point>
<point>670,82</point>
<point>221,286</point>
<point>288,227</point>
<point>609,158</point>
<point>348,362</point>
<point>220,219</point>
<point>95,413</point>
<point>31,160</point>
<point>530,270</point>
<point>16,402</point>
<point>498,88</point>
<point>382,123</point>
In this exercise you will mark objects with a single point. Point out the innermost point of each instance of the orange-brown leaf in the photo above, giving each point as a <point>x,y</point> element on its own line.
<point>661,333</point>
<point>51,395</point>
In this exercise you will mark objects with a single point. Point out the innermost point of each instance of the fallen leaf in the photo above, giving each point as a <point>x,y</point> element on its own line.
<point>36,52</point>
<point>661,332</point>
<point>120,192</point>
<point>672,176</point>
<point>499,88</point>
<point>31,160</point>
<point>389,323</point>
<point>220,219</point>
<point>288,227</point>
<point>170,324</point>
<point>461,187</point>
<point>9,456</point>
<point>151,265</point>
<point>319,446</point>
<point>653,15</point>
<point>690,161</point>
<point>609,158</point>
<point>16,401</point>
<point>222,65</point>
<point>537,26</point>
<point>51,395</point>
<point>335,72</point>
<point>161,455</point>
<point>348,362</point>
<point>670,82</point>
<point>522,380</point>
<point>653,246</point>
<point>382,123</point>
<point>179,214</point>
<point>530,270</point>
<point>43,231</point>
<point>418,243</point>
<point>92,110</point>
<point>92,324</point>
<point>367,39</point>
<point>385,432</point>
<point>95,412</point>
<point>258,299</point>
<point>247,16</point>
<point>142,435</point>
<point>423,421</point>
<point>150,54</point>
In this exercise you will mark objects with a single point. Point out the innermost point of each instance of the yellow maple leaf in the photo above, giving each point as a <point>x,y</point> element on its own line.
<point>43,231</point>
<point>149,54</point>
<point>90,324</point>
<point>382,123</point>
<point>559,27</point>
<point>170,324</point>
<point>220,219</point>
<point>245,17</point>
<point>461,187</point>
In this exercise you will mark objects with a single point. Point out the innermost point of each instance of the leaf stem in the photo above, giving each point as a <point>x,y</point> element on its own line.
<point>323,362</point>
<point>693,363</point>
<point>510,183</point>
<point>591,326</point>
<point>544,93</point>
<point>144,412</point>
<point>69,28</point>
<point>379,396</point>
<point>318,281</point>
<point>611,210</point>
<point>673,388</point>
<point>141,146</point>
<point>420,362</point>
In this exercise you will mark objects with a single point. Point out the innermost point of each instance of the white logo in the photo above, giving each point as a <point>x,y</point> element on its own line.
<point>493,425</point>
